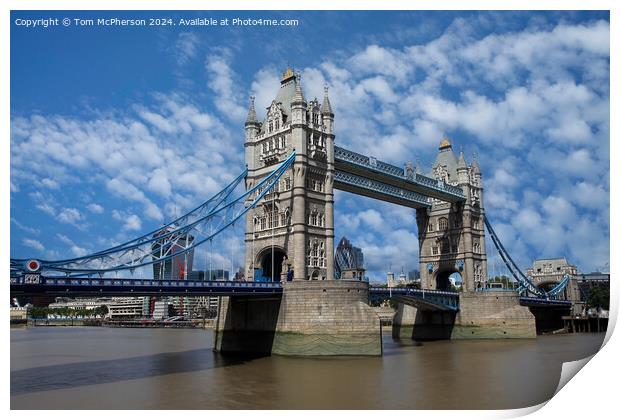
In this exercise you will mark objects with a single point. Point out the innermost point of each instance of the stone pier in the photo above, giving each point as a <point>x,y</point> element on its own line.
<point>312,318</point>
<point>480,315</point>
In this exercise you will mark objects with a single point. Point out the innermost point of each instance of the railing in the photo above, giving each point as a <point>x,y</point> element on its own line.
<point>379,187</point>
<point>386,168</point>
<point>439,299</point>
<point>62,281</point>
<point>544,301</point>
<point>411,290</point>
<point>368,162</point>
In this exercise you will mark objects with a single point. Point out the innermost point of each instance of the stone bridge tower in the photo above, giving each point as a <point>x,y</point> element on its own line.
<point>290,236</point>
<point>451,236</point>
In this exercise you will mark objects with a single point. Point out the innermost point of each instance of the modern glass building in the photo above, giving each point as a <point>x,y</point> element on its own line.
<point>347,257</point>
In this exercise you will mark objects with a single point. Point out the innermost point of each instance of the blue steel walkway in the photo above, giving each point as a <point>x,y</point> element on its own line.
<point>63,286</point>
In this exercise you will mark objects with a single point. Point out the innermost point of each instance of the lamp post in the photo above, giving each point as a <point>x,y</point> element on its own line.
<point>255,221</point>
<point>273,231</point>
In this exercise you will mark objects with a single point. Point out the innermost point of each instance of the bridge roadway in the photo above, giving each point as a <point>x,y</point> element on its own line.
<point>425,299</point>
<point>74,287</point>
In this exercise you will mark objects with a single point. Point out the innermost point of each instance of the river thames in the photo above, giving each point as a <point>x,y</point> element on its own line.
<point>116,368</point>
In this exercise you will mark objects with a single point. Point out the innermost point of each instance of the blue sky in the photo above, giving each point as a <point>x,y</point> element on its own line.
<point>115,130</point>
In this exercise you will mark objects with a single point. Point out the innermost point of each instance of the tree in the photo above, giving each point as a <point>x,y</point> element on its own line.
<point>598,296</point>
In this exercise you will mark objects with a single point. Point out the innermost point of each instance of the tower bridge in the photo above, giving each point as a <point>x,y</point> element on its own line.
<point>292,302</point>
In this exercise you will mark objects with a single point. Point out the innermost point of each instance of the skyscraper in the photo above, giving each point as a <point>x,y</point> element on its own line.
<point>178,267</point>
<point>347,257</point>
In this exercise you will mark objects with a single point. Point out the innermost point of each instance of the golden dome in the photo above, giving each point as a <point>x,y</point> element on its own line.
<point>445,144</point>
<point>287,74</point>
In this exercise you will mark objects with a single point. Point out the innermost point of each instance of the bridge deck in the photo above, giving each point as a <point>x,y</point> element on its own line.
<point>62,286</point>
<point>346,161</point>
<point>424,299</point>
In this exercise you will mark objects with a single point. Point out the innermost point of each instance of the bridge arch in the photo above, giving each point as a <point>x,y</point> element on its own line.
<point>441,278</point>
<point>268,268</point>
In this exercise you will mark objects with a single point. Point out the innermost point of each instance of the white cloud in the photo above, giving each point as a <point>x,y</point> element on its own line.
<point>186,47</point>
<point>228,100</point>
<point>95,208</point>
<point>131,222</point>
<point>70,216</point>
<point>33,243</point>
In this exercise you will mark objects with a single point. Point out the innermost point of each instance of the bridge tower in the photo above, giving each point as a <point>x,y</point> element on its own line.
<point>290,238</point>
<point>291,235</point>
<point>451,236</point>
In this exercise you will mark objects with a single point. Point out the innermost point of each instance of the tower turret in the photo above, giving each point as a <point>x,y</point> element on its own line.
<point>326,111</point>
<point>252,128</point>
<point>462,170</point>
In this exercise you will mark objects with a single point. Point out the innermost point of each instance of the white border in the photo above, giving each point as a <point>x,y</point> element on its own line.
<point>589,395</point>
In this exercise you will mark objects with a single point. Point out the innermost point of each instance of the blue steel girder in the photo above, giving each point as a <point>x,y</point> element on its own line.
<point>545,302</point>
<point>369,167</point>
<point>424,299</point>
<point>201,225</point>
<point>65,286</point>
<point>360,185</point>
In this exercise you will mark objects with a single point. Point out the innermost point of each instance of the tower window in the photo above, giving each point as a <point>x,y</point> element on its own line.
<point>443,223</point>
<point>435,250</point>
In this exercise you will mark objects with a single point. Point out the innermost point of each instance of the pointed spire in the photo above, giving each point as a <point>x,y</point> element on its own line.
<point>326,108</point>
<point>299,95</point>
<point>462,164</point>
<point>251,112</point>
<point>474,164</point>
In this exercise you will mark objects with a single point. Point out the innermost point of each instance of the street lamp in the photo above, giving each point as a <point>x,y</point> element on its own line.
<point>254,247</point>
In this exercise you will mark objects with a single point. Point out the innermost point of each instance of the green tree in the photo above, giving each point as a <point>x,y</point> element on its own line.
<point>598,296</point>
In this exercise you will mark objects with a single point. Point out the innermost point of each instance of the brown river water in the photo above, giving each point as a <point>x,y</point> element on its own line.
<point>116,368</point>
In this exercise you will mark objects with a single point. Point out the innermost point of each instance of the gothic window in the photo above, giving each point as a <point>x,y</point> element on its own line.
<point>270,220</point>
<point>435,250</point>
<point>476,247</point>
<point>270,126</point>
<point>476,223</point>
<point>313,253</point>
<point>264,147</point>
<point>262,223</point>
<point>443,223</point>
<point>277,124</point>
<point>282,219</point>
<point>315,118</point>
<point>430,226</point>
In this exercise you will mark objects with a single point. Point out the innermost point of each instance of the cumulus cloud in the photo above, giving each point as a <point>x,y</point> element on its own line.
<point>95,208</point>
<point>131,222</point>
<point>221,81</point>
<point>33,243</point>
